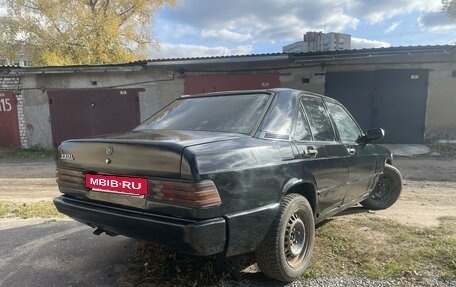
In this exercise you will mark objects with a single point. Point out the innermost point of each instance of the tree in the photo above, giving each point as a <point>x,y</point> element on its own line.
<point>449,8</point>
<point>8,47</point>
<point>55,32</point>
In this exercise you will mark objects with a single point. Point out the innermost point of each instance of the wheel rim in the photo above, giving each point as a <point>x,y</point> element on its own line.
<point>385,189</point>
<point>295,239</point>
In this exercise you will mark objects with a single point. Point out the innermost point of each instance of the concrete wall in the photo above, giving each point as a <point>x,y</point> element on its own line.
<point>310,78</point>
<point>441,109</point>
<point>37,118</point>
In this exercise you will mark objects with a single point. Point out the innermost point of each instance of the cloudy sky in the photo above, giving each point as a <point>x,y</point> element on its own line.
<point>229,27</point>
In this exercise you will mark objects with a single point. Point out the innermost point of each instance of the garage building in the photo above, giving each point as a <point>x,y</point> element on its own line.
<point>408,91</point>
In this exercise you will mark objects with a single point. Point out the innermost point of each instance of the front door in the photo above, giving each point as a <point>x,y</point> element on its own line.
<point>361,159</point>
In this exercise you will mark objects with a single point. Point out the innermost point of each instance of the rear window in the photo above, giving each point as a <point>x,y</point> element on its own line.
<point>231,113</point>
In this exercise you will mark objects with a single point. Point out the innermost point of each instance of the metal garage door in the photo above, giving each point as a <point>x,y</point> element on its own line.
<point>195,84</point>
<point>88,112</point>
<point>394,100</point>
<point>9,128</point>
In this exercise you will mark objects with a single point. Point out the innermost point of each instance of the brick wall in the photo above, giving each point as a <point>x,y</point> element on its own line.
<point>9,82</point>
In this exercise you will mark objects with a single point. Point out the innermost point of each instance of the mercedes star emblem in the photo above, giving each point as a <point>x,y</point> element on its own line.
<point>109,150</point>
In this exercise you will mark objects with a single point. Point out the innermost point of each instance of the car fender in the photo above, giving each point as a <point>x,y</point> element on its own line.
<point>306,186</point>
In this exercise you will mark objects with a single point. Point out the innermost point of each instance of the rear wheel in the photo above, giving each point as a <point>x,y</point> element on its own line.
<point>285,251</point>
<point>387,190</point>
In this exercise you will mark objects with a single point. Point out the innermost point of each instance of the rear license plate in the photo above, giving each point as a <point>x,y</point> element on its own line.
<point>117,184</point>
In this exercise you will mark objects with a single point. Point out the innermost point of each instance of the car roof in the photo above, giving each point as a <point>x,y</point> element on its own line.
<point>278,91</point>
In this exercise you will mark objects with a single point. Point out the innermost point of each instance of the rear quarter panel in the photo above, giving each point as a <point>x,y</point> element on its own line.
<point>248,172</point>
<point>251,175</point>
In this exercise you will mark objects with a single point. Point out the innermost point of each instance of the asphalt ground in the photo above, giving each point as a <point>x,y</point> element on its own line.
<point>60,253</point>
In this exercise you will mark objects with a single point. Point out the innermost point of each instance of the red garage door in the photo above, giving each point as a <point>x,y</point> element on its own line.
<point>82,113</point>
<point>195,84</point>
<point>9,128</point>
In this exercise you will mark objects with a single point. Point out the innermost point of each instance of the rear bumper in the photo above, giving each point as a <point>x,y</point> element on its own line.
<point>205,237</point>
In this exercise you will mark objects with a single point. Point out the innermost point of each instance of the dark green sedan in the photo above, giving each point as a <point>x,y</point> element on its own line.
<point>230,173</point>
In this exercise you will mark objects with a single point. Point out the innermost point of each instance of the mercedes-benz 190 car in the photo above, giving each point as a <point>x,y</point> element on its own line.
<point>229,173</point>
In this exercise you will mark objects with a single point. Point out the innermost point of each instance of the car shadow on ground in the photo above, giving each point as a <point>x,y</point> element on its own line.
<point>350,211</point>
<point>353,210</point>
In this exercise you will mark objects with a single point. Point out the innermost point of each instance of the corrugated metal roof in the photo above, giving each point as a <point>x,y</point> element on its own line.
<point>399,49</point>
<point>123,67</point>
<point>217,57</point>
<point>233,59</point>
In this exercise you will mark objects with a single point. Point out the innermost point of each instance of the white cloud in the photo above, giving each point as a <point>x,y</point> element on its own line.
<point>436,21</point>
<point>341,22</point>
<point>225,35</point>
<point>178,30</point>
<point>393,27</point>
<point>167,50</point>
<point>213,28</point>
<point>378,11</point>
<point>268,20</point>
<point>360,43</point>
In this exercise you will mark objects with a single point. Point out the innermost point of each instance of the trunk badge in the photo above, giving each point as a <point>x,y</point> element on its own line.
<point>66,156</point>
<point>109,150</point>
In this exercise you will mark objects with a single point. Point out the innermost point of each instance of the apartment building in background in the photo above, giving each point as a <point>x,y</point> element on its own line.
<point>319,41</point>
<point>19,60</point>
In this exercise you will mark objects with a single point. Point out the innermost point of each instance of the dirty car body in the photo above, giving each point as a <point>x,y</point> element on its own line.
<point>206,175</point>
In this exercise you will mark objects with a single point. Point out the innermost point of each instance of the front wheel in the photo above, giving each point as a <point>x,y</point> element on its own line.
<point>387,190</point>
<point>285,251</point>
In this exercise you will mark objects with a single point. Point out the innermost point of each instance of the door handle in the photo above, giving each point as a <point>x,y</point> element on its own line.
<point>311,151</point>
<point>351,150</point>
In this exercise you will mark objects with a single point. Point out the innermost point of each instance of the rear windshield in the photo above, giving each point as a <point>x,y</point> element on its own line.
<point>232,113</point>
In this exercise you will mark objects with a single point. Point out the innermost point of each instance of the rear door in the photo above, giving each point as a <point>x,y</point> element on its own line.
<point>325,157</point>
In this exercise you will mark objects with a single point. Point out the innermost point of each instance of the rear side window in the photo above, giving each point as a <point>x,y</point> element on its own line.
<point>280,119</point>
<point>302,130</point>
<point>320,124</point>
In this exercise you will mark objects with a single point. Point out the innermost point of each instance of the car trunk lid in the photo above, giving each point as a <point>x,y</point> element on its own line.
<point>154,153</point>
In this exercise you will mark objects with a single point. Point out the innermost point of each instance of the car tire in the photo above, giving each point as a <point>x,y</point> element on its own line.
<point>387,190</point>
<point>286,249</point>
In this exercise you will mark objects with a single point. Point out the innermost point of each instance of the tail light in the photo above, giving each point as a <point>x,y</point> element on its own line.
<point>199,194</point>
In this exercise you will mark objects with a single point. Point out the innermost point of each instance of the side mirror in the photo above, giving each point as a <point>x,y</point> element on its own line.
<point>373,135</point>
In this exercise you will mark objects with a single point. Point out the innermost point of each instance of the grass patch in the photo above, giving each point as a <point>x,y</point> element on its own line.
<point>31,153</point>
<point>159,265</point>
<point>29,210</point>
<point>360,247</point>
<point>443,149</point>
<point>380,249</point>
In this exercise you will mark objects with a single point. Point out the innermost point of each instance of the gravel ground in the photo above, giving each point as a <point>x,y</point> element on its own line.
<point>350,282</point>
<point>345,282</point>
